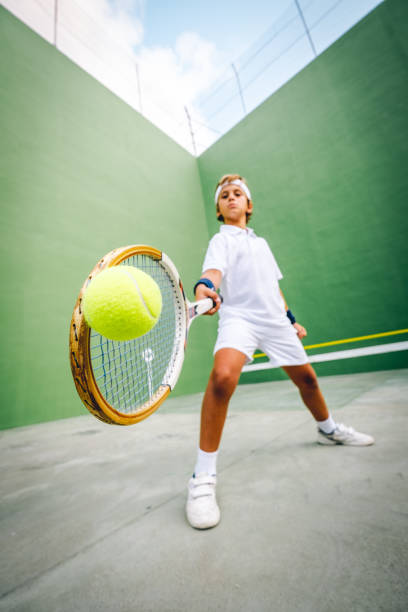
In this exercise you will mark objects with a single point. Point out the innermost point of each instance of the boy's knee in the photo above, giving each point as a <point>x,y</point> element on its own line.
<point>308,382</point>
<point>224,380</point>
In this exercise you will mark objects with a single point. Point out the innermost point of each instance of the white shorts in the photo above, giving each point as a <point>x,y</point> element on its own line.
<point>279,342</point>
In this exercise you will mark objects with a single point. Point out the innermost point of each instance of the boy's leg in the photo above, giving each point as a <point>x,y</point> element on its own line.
<point>202,508</point>
<point>329,432</point>
<point>305,379</point>
<point>222,383</point>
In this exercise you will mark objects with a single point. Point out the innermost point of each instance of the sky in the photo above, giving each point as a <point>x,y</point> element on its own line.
<point>231,26</point>
<point>172,60</point>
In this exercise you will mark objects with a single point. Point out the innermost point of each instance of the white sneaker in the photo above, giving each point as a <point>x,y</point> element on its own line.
<point>202,508</point>
<point>344,435</point>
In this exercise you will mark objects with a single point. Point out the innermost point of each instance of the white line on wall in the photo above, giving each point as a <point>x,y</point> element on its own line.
<point>358,352</point>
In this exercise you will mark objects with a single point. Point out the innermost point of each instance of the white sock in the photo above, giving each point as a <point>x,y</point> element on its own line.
<point>327,426</point>
<point>206,463</point>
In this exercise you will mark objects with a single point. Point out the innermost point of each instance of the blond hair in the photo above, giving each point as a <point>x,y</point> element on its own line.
<point>227,178</point>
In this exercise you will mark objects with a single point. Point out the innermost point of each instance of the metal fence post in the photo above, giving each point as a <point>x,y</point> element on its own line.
<point>306,28</point>
<point>191,130</point>
<point>55,21</point>
<point>239,88</point>
<point>139,89</point>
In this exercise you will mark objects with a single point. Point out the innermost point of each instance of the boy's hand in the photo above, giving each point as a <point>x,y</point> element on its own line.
<point>204,292</point>
<point>301,332</point>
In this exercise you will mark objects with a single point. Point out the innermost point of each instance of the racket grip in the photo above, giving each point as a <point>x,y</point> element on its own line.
<point>203,306</point>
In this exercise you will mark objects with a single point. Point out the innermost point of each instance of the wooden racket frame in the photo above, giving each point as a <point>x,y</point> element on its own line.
<point>79,354</point>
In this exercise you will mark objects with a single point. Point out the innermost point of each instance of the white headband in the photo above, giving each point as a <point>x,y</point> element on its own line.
<point>236,182</point>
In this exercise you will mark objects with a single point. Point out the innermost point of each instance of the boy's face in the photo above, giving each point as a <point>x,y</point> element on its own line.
<point>233,205</point>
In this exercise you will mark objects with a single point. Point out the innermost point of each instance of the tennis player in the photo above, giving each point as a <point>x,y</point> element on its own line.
<point>253,315</point>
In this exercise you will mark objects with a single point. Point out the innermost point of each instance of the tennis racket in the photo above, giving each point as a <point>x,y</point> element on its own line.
<point>122,383</point>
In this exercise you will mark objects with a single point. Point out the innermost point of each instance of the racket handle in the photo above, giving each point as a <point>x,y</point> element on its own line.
<point>202,306</point>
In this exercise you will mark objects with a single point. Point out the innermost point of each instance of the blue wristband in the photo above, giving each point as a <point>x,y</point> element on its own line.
<point>206,282</point>
<point>290,317</point>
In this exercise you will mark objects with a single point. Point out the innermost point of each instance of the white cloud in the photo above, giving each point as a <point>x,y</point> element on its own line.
<point>117,19</point>
<point>173,78</point>
<point>106,38</point>
<point>99,27</point>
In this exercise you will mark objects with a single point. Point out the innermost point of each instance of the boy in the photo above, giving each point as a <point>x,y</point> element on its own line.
<point>253,315</point>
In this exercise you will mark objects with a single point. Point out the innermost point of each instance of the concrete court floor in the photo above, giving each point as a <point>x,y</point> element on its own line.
<point>92,516</point>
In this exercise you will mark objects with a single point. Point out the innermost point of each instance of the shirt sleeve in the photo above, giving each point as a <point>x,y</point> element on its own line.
<point>216,256</point>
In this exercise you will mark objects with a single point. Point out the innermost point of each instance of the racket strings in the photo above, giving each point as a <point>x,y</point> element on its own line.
<point>129,373</point>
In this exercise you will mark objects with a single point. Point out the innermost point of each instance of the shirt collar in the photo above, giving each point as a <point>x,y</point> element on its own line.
<point>232,229</point>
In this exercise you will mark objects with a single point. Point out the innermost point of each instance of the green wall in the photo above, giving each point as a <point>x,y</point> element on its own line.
<point>326,158</point>
<point>81,174</point>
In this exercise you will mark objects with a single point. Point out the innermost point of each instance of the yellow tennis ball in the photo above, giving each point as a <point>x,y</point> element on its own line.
<point>122,303</point>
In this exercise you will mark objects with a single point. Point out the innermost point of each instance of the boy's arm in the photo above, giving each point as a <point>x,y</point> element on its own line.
<point>201,292</point>
<point>301,331</point>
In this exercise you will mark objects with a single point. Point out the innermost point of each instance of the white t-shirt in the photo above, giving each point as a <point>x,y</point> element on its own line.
<point>250,276</point>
